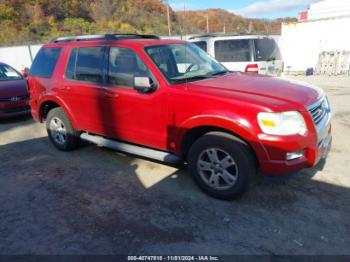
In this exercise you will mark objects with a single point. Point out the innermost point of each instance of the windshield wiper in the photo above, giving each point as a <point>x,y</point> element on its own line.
<point>217,73</point>
<point>192,78</point>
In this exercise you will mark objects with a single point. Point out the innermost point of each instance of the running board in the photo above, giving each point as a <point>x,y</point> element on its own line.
<point>132,149</point>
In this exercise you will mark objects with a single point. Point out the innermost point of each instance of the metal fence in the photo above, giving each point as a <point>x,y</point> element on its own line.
<point>333,63</point>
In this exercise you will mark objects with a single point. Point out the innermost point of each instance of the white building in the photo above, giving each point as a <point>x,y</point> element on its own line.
<point>329,9</point>
<point>323,28</point>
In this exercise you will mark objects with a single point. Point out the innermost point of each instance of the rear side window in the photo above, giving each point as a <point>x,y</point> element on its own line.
<point>202,45</point>
<point>86,64</point>
<point>233,50</point>
<point>70,70</point>
<point>45,62</point>
<point>266,49</point>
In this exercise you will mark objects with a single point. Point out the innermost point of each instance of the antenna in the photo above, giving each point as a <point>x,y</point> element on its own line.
<point>185,39</point>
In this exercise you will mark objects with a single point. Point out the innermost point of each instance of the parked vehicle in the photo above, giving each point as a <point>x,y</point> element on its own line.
<point>14,95</point>
<point>169,100</point>
<point>245,53</point>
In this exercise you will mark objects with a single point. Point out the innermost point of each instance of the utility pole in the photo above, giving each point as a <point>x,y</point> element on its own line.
<point>250,28</point>
<point>168,14</point>
<point>207,23</point>
<point>182,23</point>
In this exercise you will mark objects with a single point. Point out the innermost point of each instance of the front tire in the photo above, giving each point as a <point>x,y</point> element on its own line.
<point>222,165</point>
<point>60,130</point>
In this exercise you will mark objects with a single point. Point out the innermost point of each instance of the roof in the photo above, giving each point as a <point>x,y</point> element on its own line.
<point>102,37</point>
<point>145,40</point>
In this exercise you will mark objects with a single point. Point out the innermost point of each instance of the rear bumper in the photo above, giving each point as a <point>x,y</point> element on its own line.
<point>12,109</point>
<point>34,110</point>
<point>315,147</point>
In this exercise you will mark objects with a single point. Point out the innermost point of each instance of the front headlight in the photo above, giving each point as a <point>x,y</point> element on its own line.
<point>282,124</point>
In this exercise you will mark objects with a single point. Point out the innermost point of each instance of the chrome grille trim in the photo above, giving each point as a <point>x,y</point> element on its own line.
<point>8,99</point>
<point>321,118</point>
<point>319,110</point>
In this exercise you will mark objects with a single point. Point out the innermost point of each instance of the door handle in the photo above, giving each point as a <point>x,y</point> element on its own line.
<point>65,88</point>
<point>110,94</point>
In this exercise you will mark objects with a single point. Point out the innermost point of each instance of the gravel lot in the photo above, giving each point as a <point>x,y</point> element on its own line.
<point>96,201</point>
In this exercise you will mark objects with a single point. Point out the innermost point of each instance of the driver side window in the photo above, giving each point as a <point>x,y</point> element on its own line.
<point>182,59</point>
<point>123,66</point>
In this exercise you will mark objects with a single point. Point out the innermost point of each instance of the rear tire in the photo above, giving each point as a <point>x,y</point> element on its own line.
<point>222,165</point>
<point>60,130</point>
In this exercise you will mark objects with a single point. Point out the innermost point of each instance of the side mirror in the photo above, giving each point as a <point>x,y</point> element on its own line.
<point>143,84</point>
<point>25,72</point>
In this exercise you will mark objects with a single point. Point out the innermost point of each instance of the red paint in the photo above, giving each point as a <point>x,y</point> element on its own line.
<point>162,119</point>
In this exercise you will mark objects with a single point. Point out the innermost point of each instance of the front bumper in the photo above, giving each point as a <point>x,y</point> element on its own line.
<point>312,155</point>
<point>315,144</point>
<point>17,108</point>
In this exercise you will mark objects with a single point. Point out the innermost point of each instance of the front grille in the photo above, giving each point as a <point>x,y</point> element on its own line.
<point>14,98</point>
<point>319,110</point>
<point>15,110</point>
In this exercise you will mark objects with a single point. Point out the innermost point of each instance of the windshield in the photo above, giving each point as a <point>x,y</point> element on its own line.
<point>182,63</point>
<point>7,73</point>
<point>266,49</point>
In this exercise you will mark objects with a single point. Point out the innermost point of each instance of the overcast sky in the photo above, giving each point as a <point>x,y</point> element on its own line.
<point>269,9</point>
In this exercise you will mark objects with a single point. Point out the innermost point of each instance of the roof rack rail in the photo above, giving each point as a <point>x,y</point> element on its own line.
<point>102,37</point>
<point>226,34</point>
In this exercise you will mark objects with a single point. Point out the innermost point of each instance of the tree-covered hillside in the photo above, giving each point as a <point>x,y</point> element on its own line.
<point>34,21</point>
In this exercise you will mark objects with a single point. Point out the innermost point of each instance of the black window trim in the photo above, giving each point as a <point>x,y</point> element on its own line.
<point>105,67</point>
<point>103,82</point>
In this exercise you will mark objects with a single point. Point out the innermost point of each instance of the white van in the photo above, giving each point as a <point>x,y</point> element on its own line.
<point>246,53</point>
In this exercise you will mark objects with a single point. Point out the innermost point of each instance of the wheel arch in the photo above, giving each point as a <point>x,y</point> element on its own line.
<point>52,102</point>
<point>191,132</point>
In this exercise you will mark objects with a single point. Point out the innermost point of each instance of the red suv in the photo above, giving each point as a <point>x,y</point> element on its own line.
<point>168,100</point>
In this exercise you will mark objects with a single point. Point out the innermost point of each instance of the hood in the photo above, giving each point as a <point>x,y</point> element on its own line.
<point>13,88</point>
<point>272,89</point>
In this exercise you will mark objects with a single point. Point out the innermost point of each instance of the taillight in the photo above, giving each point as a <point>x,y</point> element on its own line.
<point>28,85</point>
<point>25,72</point>
<point>252,68</point>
